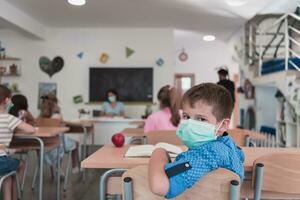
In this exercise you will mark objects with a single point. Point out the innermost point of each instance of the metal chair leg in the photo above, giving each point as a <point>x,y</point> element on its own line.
<point>67,170</point>
<point>127,182</point>
<point>34,177</point>
<point>234,190</point>
<point>103,181</point>
<point>259,170</point>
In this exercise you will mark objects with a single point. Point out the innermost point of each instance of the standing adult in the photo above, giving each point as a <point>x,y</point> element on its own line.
<point>226,82</point>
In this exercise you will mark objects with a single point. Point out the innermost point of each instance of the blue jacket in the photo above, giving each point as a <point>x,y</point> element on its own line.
<point>190,166</point>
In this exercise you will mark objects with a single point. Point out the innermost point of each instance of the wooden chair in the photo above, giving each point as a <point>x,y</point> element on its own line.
<point>154,137</point>
<point>240,136</point>
<point>219,184</point>
<point>276,176</point>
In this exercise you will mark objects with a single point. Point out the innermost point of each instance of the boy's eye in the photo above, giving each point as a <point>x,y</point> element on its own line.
<point>199,118</point>
<point>185,116</point>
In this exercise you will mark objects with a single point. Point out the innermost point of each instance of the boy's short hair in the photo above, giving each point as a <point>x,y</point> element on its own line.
<point>212,94</point>
<point>4,93</point>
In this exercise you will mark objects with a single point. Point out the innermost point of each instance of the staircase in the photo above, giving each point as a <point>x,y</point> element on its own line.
<point>273,56</point>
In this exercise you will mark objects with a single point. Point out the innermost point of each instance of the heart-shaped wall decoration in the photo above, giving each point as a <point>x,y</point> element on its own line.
<point>51,67</point>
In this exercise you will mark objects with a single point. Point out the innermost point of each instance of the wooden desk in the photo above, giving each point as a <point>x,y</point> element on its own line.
<point>240,136</point>
<point>252,153</point>
<point>106,127</point>
<point>42,136</point>
<point>111,157</point>
<point>133,132</point>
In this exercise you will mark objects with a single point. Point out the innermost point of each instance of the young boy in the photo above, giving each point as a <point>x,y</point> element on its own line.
<point>8,124</point>
<point>206,116</point>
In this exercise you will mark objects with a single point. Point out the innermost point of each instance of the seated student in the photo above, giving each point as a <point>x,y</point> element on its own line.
<point>20,109</point>
<point>206,115</point>
<point>168,117</point>
<point>50,109</point>
<point>8,125</point>
<point>112,107</point>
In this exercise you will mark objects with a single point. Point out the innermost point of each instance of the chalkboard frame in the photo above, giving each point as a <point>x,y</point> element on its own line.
<point>150,73</point>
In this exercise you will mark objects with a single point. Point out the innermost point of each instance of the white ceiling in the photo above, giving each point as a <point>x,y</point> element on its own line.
<point>206,16</point>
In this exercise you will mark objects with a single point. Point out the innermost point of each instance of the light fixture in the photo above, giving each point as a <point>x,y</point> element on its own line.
<point>236,3</point>
<point>209,38</point>
<point>77,2</point>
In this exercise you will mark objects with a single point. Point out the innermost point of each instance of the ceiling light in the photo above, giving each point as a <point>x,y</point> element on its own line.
<point>77,2</point>
<point>209,38</point>
<point>236,3</point>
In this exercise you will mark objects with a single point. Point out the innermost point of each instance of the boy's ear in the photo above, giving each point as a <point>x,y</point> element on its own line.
<point>224,126</point>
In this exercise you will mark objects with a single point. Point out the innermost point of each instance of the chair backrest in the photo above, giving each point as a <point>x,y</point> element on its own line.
<point>215,185</point>
<point>281,173</point>
<point>240,135</point>
<point>48,122</point>
<point>154,137</point>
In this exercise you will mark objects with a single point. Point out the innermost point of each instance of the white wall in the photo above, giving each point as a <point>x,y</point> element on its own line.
<point>149,45</point>
<point>204,57</point>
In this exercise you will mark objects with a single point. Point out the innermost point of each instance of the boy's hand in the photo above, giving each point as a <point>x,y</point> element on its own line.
<point>158,180</point>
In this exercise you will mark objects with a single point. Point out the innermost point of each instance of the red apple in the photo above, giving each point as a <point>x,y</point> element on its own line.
<point>118,139</point>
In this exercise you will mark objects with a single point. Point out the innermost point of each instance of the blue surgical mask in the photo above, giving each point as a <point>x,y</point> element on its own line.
<point>193,132</point>
<point>112,99</point>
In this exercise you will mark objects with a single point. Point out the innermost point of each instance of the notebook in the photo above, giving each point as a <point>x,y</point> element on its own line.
<point>146,150</point>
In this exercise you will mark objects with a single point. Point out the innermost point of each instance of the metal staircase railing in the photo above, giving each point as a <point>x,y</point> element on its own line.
<point>285,35</point>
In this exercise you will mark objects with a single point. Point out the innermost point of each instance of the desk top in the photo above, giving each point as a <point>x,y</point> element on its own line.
<point>133,132</point>
<point>113,119</point>
<point>85,123</point>
<point>111,157</point>
<point>44,132</point>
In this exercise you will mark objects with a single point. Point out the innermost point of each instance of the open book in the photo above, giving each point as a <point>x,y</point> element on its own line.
<point>146,150</point>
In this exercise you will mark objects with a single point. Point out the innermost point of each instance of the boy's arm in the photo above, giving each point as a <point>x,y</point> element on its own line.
<point>158,180</point>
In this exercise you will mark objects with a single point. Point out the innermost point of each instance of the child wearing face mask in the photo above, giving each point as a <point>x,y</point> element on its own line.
<point>112,107</point>
<point>8,125</point>
<point>206,116</point>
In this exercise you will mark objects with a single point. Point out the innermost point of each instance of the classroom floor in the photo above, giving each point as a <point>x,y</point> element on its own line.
<point>78,189</point>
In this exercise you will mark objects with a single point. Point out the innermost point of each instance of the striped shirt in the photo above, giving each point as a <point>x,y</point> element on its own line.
<point>8,123</point>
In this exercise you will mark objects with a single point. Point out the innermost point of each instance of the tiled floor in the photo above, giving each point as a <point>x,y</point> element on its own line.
<point>78,189</point>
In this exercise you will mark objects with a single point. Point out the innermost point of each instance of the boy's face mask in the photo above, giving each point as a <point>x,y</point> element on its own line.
<point>112,99</point>
<point>193,132</point>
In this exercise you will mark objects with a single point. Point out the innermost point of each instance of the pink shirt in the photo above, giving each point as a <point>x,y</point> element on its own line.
<point>160,120</point>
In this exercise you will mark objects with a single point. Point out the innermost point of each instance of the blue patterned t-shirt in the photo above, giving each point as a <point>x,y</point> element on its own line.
<point>202,159</point>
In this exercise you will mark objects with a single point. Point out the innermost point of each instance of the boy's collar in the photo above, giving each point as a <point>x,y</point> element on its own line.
<point>224,134</point>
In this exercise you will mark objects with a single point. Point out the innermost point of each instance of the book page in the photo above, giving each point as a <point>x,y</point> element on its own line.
<point>140,151</point>
<point>169,148</point>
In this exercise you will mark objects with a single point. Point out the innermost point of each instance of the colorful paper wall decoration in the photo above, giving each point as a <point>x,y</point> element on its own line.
<point>104,58</point>
<point>129,52</point>
<point>183,56</point>
<point>78,99</point>
<point>80,55</point>
<point>160,62</point>
<point>51,67</point>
